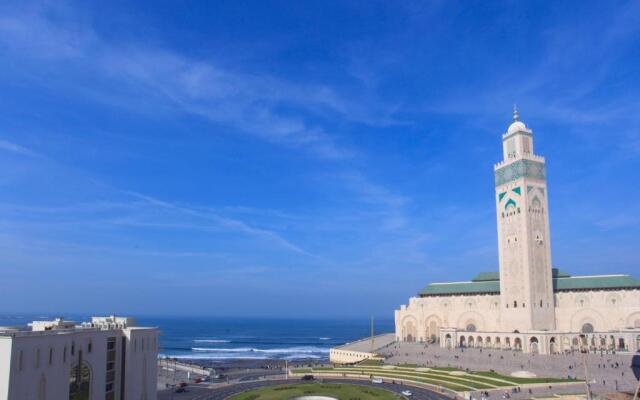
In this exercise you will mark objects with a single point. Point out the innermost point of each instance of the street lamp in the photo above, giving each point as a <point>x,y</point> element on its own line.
<point>584,350</point>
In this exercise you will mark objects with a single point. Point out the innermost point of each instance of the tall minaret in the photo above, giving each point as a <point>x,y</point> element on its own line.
<point>526,288</point>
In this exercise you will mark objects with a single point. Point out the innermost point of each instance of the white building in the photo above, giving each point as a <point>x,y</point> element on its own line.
<point>108,358</point>
<point>527,305</point>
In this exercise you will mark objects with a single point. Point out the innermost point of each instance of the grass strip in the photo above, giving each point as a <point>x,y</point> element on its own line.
<point>453,384</point>
<point>339,391</point>
<point>497,380</point>
<point>428,375</point>
<point>524,380</point>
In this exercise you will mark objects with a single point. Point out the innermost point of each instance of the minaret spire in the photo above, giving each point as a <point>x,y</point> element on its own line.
<point>515,113</point>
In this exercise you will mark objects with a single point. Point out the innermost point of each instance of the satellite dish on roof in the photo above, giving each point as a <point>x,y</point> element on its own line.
<point>635,366</point>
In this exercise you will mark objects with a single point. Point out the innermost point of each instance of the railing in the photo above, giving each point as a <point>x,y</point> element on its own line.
<point>48,332</point>
<point>531,157</point>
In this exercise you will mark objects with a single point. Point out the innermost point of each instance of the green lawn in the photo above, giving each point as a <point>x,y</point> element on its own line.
<point>521,380</point>
<point>370,362</point>
<point>338,391</point>
<point>450,378</point>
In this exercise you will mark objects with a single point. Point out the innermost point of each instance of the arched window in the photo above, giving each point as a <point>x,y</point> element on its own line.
<point>79,382</point>
<point>533,345</point>
<point>587,328</point>
<point>515,304</point>
<point>517,344</point>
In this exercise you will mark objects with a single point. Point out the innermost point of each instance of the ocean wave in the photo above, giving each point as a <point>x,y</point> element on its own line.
<point>245,356</point>
<point>280,342</point>
<point>209,356</point>
<point>287,350</point>
<point>211,341</point>
<point>273,341</point>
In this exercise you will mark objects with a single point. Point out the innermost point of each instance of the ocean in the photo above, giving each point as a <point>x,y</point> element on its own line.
<point>227,339</point>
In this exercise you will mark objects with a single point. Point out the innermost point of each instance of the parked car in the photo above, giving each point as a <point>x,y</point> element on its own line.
<point>407,393</point>
<point>376,380</point>
<point>308,378</point>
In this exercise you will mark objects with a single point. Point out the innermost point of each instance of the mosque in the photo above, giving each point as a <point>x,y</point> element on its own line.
<point>528,305</point>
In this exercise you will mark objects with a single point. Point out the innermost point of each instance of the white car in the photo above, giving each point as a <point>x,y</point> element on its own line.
<point>376,380</point>
<point>407,393</point>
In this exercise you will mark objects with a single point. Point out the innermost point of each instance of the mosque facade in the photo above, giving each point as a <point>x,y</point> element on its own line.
<point>527,305</point>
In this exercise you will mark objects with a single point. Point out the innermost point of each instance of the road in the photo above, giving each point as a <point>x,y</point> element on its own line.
<point>202,392</point>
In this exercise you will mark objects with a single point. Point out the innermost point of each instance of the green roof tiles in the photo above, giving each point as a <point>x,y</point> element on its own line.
<point>487,276</point>
<point>495,276</point>
<point>596,282</point>
<point>489,283</point>
<point>439,289</point>
<point>558,273</point>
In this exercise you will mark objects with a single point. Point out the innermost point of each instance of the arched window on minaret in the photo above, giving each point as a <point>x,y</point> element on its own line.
<point>526,146</point>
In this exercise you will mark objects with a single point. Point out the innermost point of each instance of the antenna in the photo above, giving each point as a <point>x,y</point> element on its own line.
<point>372,335</point>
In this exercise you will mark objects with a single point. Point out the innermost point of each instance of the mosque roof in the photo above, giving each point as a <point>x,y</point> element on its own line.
<point>489,283</point>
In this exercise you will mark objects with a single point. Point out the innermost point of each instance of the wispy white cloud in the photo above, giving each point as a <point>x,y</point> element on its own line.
<point>137,76</point>
<point>143,211</point>
<point>573,79</point>
<point>17,149</point>
<point>387,205</point>
<point>229,223</point>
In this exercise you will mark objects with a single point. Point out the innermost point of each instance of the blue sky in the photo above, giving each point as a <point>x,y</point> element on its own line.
<point>307,158</point>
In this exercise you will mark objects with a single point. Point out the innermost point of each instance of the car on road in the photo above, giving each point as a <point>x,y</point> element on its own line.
<point>308,378</point>
<point>220,376</point>
<point>179,389</point>
<point>376,380</point>
<point>407,393</point>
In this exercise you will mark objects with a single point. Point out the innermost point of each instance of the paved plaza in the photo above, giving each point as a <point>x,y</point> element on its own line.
<point>611,372</point>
